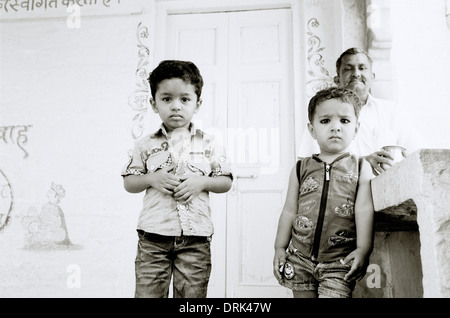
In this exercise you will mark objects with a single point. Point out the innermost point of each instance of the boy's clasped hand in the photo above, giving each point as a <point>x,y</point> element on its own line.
<point>183,188</point>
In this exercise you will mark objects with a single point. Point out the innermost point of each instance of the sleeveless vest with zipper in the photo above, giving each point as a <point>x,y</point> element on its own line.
<point>324,228</point>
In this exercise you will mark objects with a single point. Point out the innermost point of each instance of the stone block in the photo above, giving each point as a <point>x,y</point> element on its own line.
<point>419,188</point>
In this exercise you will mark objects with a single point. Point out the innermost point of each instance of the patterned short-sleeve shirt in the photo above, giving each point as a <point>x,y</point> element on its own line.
<point>161,213</point>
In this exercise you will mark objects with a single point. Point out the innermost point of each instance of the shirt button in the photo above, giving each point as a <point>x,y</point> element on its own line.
<point>182,207</point>
<point>152,167</point>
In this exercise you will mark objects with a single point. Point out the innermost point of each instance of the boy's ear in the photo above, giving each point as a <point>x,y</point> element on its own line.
<point>311,130</point>
<point>197,107</point>
<point>336,80</point>
<point>153,103</point>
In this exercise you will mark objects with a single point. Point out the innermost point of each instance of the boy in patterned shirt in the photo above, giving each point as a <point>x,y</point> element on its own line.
<point>177,167</point>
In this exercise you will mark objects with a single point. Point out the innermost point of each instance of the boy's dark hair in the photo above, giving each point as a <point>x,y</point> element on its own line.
<point>342,94</point>
<point>351,51</point>
<point>185,70</point>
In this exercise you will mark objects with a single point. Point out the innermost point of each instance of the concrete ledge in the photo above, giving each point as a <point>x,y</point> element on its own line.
<point>415,194</point>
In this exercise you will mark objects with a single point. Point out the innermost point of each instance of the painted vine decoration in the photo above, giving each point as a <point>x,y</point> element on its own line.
<point>139,100</point>
<point>321,78</point>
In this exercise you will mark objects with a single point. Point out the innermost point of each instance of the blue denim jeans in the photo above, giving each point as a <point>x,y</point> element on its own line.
<point>186,259</point>
<point>327,279</point>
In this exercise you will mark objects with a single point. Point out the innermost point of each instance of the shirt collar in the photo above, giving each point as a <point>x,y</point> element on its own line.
<point>192,128</point>
<point>316,157</point>
<point>370,100</point>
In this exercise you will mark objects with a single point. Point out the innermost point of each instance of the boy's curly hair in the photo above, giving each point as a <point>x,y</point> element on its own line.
<point>343,94</point>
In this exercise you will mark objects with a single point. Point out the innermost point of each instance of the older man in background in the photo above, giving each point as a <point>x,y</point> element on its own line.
<point>382,122</point>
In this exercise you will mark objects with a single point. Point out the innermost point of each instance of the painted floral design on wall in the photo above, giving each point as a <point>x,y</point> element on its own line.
<point>139,99</point>
<point>319,77</point>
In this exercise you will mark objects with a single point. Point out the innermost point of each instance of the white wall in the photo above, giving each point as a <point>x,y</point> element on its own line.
<point>72,86</point>
<point>421,65</point>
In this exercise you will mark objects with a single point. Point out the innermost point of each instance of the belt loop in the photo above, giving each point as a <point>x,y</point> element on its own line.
<point>179,239</point>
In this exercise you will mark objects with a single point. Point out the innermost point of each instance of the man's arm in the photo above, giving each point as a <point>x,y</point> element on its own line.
<point>379,161</point>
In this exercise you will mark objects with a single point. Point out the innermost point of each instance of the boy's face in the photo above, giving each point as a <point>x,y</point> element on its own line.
<point>334,126</point>
<point>356,74</point>
<point>176,103</point>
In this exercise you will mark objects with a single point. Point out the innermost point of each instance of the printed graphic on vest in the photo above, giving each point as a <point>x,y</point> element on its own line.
<point>341,237</point>
<point>309,185</point>
<point>346,210</point>
<point>305,206</point>
<point>302,227</point>
<point>349,177</point>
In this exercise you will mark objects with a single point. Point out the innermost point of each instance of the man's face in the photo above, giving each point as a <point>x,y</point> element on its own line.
<point>356,74</point>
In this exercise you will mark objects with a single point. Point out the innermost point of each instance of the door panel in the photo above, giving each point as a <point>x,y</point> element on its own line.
<point>260,112</point>
<point>245,58</point>
<point>203,39</point>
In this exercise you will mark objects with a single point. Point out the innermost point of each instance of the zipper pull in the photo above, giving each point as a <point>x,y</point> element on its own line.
<point>327,172</point>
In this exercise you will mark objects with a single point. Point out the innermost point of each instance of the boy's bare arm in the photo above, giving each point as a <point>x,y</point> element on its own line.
<point>219,184</point>
<point>285,224</point>
<point>364,211</point>
<point>364,215</point>
<point>135,184</point>
<point>163,180</point>
<point>288,213</point>
<point>192,185</point>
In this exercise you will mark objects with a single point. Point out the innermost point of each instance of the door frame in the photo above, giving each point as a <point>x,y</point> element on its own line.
<point>161,9</point>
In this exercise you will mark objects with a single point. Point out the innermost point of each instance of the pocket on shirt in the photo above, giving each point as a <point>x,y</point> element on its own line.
<point>199,162</point>
<point>158,160</point>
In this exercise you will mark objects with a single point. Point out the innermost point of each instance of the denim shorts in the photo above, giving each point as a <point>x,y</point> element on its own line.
<point>300,273</point>
<point>184,259</point>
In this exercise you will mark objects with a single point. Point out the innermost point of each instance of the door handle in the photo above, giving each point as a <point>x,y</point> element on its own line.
<point>248,176</point>
<point>234,186</point>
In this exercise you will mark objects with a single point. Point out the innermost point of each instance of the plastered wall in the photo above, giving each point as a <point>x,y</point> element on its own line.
<point>66,79</point>
<point>66,124</point>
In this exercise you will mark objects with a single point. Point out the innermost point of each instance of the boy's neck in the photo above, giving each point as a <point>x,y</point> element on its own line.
<point>330,158</point>
<point>169,131</point>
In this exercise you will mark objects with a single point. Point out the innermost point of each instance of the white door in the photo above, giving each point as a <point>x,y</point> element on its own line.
<point>246,61</point>
<point>203,39</point>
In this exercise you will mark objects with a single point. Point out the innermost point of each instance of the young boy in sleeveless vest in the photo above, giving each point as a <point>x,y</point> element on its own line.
<point>325,231</point>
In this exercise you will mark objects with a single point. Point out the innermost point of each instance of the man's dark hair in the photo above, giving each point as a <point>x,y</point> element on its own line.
<point>351,51</point>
